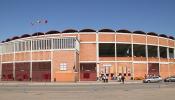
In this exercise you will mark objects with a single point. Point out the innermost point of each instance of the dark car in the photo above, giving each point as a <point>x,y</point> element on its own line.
<point>170,79</point>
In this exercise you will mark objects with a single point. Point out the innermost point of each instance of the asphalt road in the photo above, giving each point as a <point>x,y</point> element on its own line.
<point>134,91</point>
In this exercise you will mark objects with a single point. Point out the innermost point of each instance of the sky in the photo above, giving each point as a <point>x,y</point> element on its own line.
<point>16,16</point>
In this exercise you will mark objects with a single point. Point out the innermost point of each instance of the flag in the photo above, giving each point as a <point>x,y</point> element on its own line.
<point>39,21</point>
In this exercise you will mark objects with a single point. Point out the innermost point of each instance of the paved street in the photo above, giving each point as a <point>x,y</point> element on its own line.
<point>87,91</point>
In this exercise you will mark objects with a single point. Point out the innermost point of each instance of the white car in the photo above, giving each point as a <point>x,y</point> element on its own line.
<point>153,79</point>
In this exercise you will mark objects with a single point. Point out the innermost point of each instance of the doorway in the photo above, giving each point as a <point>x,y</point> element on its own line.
<point>88,72</point>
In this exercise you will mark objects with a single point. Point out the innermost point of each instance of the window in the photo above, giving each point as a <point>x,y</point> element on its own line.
<point>139,50</point>
<point>107,50</point>
<point>152,51</point>
<point>171,52</point>
<point>124,50</point>
<point>163,52</point>
<point>63,66</point>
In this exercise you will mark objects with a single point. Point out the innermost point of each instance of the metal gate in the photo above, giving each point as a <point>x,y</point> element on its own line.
<point>22,71</point>
<point>41,71</point>
<point>88,72</point>
<point>7,72</point>
<point>153,69</point>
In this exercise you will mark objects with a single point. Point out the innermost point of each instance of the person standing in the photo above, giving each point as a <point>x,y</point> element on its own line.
<point>123,79</point>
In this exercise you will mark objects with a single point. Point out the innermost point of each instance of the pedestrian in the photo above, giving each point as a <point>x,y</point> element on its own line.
<point>145,76</point>
<point>123,79</point>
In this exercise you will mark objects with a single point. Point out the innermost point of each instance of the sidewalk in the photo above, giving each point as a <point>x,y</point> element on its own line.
<point>16,83</point>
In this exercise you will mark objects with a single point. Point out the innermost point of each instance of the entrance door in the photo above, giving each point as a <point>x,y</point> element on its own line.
<point>41,71</point>
<point>7,72</point>
<point>88,72</point>
<point>153,69</point>
<point>22,71</point>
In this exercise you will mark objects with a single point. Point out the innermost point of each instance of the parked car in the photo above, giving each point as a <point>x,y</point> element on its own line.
<point>153,79</point>
<point>170,79</point>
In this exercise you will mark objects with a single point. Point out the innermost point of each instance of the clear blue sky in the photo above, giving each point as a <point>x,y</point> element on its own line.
<point>146,15</point>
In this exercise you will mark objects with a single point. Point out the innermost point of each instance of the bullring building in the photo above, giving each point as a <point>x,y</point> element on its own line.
<point>83,55</point>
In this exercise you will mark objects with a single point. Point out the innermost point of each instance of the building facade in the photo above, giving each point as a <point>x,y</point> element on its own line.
<point>84,55</point>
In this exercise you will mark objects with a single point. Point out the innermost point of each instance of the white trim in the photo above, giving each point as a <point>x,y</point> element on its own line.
<point>152,62</point>
<point>122,42</point>
<point>106,42</point>
<point>86,33</point>
<point>7,62</point>
<point>146,47</point>
<point>106,33</point>
<point>163,38</point>
<point>87,61</point>
<point>152,44</point>
<point>145,62</point>
<point>97,54</point>
<point>163,46</point>
<point>86,42</point>
<point>123,33</point>
<point>132,64</point>
<point>52,69</point>
<point>14,58</point>
<point>139,34</point>
<point>139,43</point>
<point>163,63</point>
<point>31,57</point>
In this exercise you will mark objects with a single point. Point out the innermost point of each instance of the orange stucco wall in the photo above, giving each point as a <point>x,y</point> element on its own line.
<point>124,67</point>
<point>163,59</point>
<point>153,59</point>
<point>106,37</point>
<point>140,69</point>
<point>139,39</point>
<point>152,40</point>
<point>88,37</point>
<point>171,43</point>
<point>88,52</point>
<point>107,58</point>
<point>109,69</point>
<point>24,56</point>
<point>123,58</point>
<point>140,59</point>
<point>42,55</point>
<point>172,69</point>
<point>164,70</point>
<point>123,37</point>
<point>7,57</point>
<point>67,57</point>
<point>163,41</point>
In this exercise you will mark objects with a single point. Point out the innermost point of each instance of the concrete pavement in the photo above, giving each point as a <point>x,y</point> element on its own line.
<point>10,83</point>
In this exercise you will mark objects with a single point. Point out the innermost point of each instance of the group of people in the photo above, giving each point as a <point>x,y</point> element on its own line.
<point>121,78</point>
<point>104,78</point>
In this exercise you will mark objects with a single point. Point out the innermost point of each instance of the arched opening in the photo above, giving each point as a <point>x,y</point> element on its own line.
<point>163,35</point>
<point>152,33</point>
<point>106,30</point>
<point>52,32</point>
<point>7,40</point>
<point>37,34</point>
<point>15,37</point>
<point>69,31</point>
<point>25,35</point>
<point>139,32</point>
<point>123,31</point>
<point>87,30</point>
<point>171,37</point>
